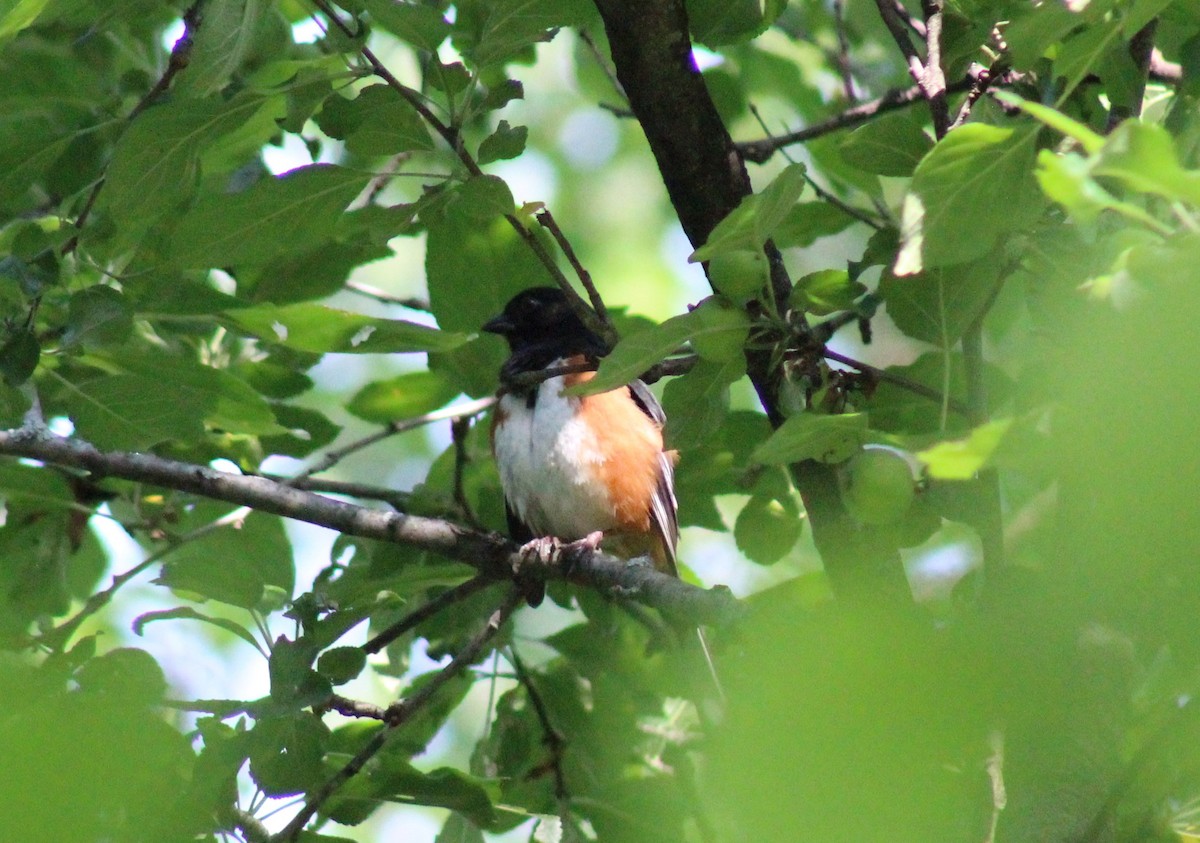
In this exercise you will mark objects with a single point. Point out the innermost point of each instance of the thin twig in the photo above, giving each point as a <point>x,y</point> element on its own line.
<point>450,135</point>
<point>759,151</point>
<point>459,429</point>
<point>822,193</point>
<point>606,69</point>
<point>842,57</point>
<point>251,827</point>
<point>933,78</point>
<point>401,712</point>
<point>354,708</point>
<point>426,611</point>
<point>57,638</point>
<point>899,380</point>
<point>181,54</point>
<point>333,457</point>
<point>547,220</point>
<point>551,737</point>
<point>385,297</point>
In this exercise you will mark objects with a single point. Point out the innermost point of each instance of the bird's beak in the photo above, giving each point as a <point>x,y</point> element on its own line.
<point>501,325</point>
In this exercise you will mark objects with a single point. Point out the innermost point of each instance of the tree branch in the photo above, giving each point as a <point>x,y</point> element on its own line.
<point>450,134</point>
<point>489,553</point>
<point>759,151</point>
<point>401,712</point>
<point>706,178</point>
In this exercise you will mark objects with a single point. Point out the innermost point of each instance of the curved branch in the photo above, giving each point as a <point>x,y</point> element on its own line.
<point>490,553</point>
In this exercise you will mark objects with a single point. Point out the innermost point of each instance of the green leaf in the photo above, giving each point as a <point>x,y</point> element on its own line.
<point>129,412</point>
<point>1143,156</point>
<point>16,15</point>
<point>98,316</point>
<point>962,459</point>
<point>811,436</point>
<point>320,329</point>
<point>341,664</point>
<point>1067,179</point>
<point>188,613</point>
<point>286,753</point>
<point>979,173</point>
<point>504,28</point>
<point>402,397</point>
<point>504,143</point>
<point>716,23</point>
<point>230,565</point>
<point>275,216</point>
<point>127,674</point>
<point>422,26</point>
<point>377,122</point>
<point>219,46</point>
<point>826,291</point>
<point>808,222</point>
<point>486,251</point>
<point>155,164</point>
<point>938,305</point>
<point>19,357</point>
<point>1089,140</point>
<point>751,223</point>
<point>697,403</point>
<point>1085,53</point>
<point>636,353</point>
<point>892,145</point>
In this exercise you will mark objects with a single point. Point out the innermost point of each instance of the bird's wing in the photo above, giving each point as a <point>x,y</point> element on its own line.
<point>663,506</point>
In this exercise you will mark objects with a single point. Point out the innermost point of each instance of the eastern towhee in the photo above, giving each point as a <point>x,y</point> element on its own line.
<point>573,467</point>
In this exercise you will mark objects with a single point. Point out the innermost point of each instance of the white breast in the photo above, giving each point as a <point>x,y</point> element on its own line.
<point>547,461</point>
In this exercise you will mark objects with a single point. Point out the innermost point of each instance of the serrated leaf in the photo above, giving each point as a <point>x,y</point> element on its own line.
<point>404,396</point>
<point>128,412</point>
<point>811,436</point>
<point>506,27</point>
<point>19,357</point>
<point>826,291</point>
<point>376,122</point>
<point>751,223</point>
<point>155,163</point>
<point>97,316</point>
<point>698,402</point>
<point>892,145</point>
<point>233,566</point>
<point>277,215</point>
<point>938,305</point>
<point>962,459</point>
<point>422,26</point>
<point>1089,140</point>
<point>219,46</point>
<point>963,178</point>
<point>504,143</point>
<point>19,15</point>
<point>320,329</point>
<point>636,353</point>
<point>187,613</point>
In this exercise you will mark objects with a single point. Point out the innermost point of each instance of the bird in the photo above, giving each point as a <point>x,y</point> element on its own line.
<point>579,468</point>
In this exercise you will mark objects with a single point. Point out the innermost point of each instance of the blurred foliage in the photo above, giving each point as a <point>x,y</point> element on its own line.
<point>1030,279</point>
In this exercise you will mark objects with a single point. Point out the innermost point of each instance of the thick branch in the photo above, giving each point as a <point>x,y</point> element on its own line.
<point>706,179</point>
<point>490,553</point>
